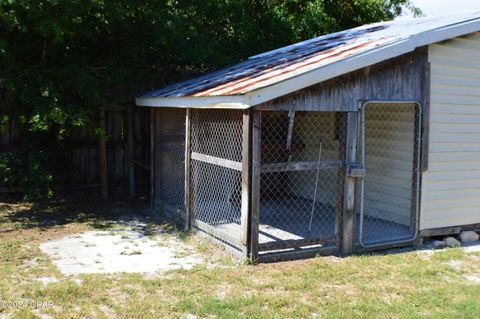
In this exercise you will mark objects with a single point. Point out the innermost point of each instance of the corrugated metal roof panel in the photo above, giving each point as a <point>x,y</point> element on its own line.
<point>282,64</point>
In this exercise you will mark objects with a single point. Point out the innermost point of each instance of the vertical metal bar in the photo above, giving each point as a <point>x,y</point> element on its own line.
<point>341,126</point>
<point>130,147</point>
<point>103,156</point>
<point>362,182</point>
<point>425,132</point>
<point>188,212</point>
<point>417,171</point>
<point>291,122</point>
<point>153,113</point>
<point>255,187</point>
<point>348,232</point>
<point>246,176</point>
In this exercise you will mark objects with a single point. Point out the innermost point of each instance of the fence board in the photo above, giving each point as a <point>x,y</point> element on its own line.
<point>84,152</point>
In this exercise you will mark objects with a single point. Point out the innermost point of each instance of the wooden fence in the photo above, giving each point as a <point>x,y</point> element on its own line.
<point>113,166</point>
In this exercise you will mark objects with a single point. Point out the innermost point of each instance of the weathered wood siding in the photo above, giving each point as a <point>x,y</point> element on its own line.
<point>451,186</point>
<point>395,79</point>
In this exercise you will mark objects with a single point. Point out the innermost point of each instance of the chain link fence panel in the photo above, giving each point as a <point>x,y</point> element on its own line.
<point>170,161</point>
<point>301,183</point>
<point>216,173</point>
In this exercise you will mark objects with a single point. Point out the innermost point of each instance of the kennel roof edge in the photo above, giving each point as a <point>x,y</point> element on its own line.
<point>272,74</point>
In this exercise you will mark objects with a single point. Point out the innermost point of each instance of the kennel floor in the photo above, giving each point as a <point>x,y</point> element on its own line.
<point>292,219</point>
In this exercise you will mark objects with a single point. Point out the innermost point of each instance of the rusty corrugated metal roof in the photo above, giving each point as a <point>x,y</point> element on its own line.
<point>272,67</point>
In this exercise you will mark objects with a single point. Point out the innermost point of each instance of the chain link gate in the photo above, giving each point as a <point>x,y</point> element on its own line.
<point>390,153</point>
<point>216,173</point>
<point>301,179</point>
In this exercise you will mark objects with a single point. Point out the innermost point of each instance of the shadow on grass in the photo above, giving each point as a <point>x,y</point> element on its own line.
<point>98,214</point>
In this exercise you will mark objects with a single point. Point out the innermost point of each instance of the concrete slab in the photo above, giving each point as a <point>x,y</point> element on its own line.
<point>472,247</point>
<point>122,250</point>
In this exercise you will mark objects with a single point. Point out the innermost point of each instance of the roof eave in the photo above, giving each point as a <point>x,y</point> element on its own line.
<point>220,102</point>
<point>327,72</point>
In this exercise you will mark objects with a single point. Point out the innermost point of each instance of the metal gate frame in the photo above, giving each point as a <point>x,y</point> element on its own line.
<point>416,172</point>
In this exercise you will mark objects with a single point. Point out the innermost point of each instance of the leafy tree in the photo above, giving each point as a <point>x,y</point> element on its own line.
<point>61,60</point>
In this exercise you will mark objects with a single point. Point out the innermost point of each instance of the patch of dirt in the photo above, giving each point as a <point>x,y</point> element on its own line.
<point>457,264</point>
<point>123,250</point>
<point>475,278</point>
<point>425,254</point>
<point>47,280</point>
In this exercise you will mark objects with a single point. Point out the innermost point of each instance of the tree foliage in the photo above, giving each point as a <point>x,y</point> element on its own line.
<point>61,60</point>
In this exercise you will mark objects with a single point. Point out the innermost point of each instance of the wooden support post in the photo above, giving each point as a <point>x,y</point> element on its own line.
<point>246,171</point>
<point>255,186</point>
<point>130,147</point>
<point>188,154</point>
<point>103,156</point>
<point>348,232</point>
<point>291,122</point>
<point>216,161</point>
<point>153,114</point>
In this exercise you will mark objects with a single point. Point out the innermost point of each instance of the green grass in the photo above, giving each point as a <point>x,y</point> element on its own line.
<point>404,285</point>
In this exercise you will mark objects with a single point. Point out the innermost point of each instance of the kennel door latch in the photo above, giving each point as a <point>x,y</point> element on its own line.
<point>356,170</point>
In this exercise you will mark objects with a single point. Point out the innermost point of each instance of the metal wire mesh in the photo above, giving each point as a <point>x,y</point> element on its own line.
<point>216,177</point>
<point>302,174</point>
<point>390,152</point>
<point>170,161</point>
<point>300,188</point>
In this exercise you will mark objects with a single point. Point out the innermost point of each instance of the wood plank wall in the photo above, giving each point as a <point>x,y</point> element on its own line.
<point>395,79</point>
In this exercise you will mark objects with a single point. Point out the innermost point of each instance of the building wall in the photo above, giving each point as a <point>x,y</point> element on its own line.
<point>451,186</point>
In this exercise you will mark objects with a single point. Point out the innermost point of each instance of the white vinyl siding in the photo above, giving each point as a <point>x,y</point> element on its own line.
<point>389,152</point>
<point>451,187</point>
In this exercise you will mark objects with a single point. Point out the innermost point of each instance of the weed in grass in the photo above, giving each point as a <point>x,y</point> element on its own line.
<point>449,254</point>
<point>204,247</point>
<point>135,252</point>
<point>181,254</point>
